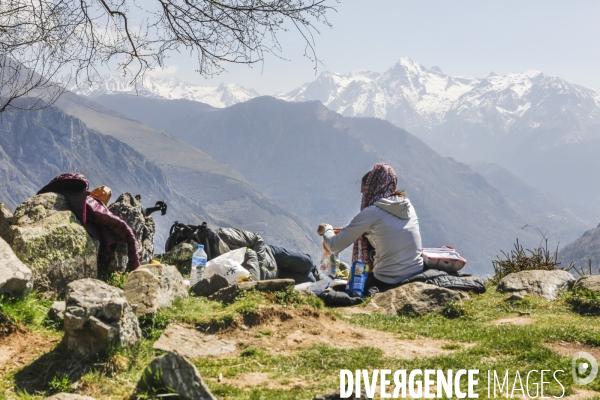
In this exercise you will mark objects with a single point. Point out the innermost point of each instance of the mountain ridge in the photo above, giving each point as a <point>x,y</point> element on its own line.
<point>195,186</point>
<point>169,88</point>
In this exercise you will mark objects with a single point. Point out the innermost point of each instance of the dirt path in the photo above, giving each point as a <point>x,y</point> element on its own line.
<point>283,331</point>
<point>567,349</point>
<point>20,347</point>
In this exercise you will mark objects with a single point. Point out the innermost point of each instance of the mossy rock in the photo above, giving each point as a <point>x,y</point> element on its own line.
<point>180,256</point>
<point>53,243</point>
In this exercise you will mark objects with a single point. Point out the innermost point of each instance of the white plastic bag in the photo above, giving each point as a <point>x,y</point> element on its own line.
<point>229,266</point>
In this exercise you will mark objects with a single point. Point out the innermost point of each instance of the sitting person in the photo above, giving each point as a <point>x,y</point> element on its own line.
<point>385,233</point>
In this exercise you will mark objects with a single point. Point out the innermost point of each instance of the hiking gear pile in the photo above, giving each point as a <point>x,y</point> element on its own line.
<point>99,222</point>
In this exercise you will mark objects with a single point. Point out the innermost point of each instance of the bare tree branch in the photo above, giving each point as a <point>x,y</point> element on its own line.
<point>42,39</point>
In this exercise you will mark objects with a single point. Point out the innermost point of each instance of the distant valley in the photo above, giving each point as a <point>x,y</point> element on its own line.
<point>543,129</point>
<point>310,159</point>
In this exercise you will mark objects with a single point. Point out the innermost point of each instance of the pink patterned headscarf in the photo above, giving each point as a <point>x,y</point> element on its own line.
<point>381,183</point>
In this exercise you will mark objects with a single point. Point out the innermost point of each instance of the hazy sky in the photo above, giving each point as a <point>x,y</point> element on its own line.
<point>468,38</point>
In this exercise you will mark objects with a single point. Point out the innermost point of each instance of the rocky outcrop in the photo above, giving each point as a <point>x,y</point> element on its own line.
<point>15,277</point>
<point>591,282</point>
<point>130,210</point>
<point>210,286</point>
<point>192,344</point>
<point>415,298</point>
<point>181,256</point>
<point>50,240</point>
<point>174,373</point>
<point>5,221</point>
<point>98,315</point>
<point>546,284</point>
<point>229,293</point>
<point>152,287</point>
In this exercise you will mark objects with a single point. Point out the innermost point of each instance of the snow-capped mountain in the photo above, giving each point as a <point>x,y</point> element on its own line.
<point>168,88</point>
<point>408,94</point>
<point>540,127</point>
<point>462,116</point>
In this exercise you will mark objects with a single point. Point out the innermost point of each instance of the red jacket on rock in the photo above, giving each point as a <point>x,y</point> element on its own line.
<point>99,222</point>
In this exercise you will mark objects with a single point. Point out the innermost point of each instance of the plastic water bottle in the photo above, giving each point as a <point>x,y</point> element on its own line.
<point>198,265</point>
<point>358,278</point>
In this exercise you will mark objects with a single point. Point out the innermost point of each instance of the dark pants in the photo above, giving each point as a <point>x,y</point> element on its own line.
<point>373,282</point>
<point>293,265</point>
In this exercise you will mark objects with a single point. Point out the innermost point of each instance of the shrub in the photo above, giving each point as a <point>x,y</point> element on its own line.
<point>520,259</point>
<point>454,309</point>
<point>60,383</point>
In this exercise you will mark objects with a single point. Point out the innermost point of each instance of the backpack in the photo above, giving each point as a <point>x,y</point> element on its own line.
<point>200,234</point>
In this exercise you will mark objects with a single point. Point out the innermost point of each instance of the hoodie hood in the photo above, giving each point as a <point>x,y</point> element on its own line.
<point>396,205</point>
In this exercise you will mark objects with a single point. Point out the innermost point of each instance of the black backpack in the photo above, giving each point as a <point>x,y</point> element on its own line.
<point>200,234</point>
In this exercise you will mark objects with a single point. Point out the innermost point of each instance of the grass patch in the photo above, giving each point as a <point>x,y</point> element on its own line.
<point>313,370</point>
<point>30,311</point>
<point>585,302</point>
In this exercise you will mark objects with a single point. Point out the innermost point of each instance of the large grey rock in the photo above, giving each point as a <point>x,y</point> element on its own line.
<point>98,315</point>
<point>229,293</point>
<point>591,282</point>
<point>546,284</point>
<point>192,344</point>
<point>207,287</point>
<point>417,297</point>
<point>69,396</point>
<point>152,287</point>
<point>130,210</point>
<point>174,373</point>
<point>15,277</point>
<point>5,221</point>
<point>49,239</point>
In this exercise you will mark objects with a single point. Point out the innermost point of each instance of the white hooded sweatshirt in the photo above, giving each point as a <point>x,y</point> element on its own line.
<point>392,227</point>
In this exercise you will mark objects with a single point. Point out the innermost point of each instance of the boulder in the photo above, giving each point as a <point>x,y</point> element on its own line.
<point>546,284</point>
<point>181,256</point>
<point>192,344</point>
<point>5,221</point>
<point>207,287</point>
<point>417,298</point>
<point>173,373</point>
<point>591,282</point>
<point>130,210</point>
<point>152,287</point>
<point>69,396</point>
<point>228,294</point>
<point>50,240</point>
<point>98,315</point>
<point>15,277</point>
<point>56,312</point>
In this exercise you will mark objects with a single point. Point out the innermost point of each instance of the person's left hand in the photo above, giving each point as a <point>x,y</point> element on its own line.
<point>321,229</point>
